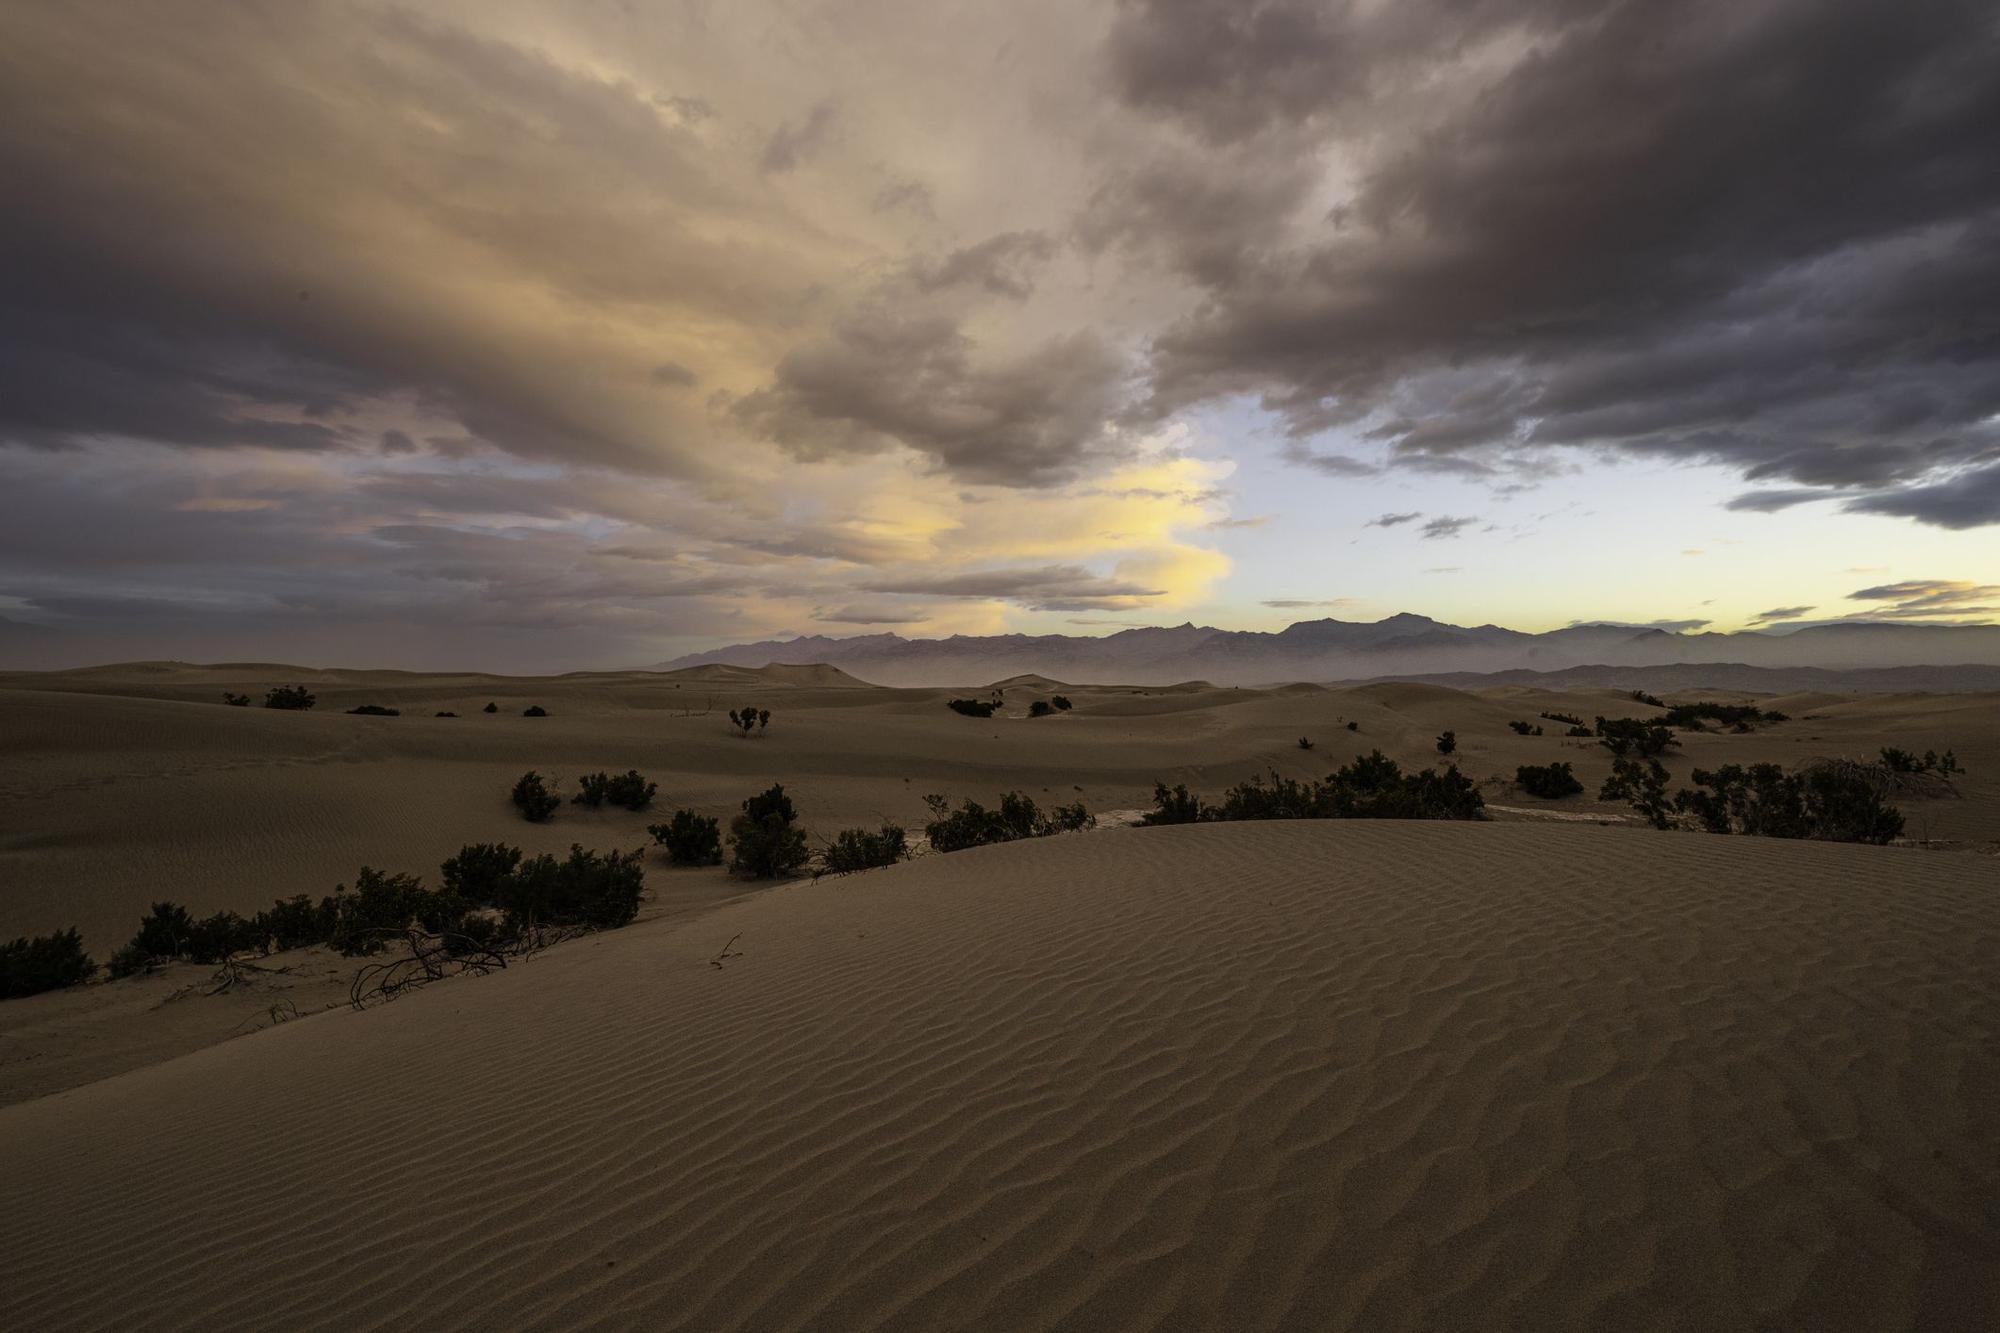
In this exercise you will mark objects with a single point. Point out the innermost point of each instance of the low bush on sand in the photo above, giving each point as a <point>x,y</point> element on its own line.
<point>764,841</point>
<point>973,707</point>
<point>1551,782</point>
<point>628,790</point>
<point>1641,697</point>
<point>1062,704</point>
<point>44,963</point>
<point>1041,708</point>
<point>1372,787</point>
<point>1525,728</point>
<point>1737,717</point>
<point>747,720</point>
<point>374,710</point>
<point>1447,743</point>
<point>1635,737</point>
<point>534,710</point>
<point>1827,802</point>
<point>1017,817</point>
<point>858,849</point>
<point>490,708</point>
<point>1643,787</point>
<point>1930,761</point>
<point>1569,718</point>
<point>292,698</point>
<point>690,839</point>
<point>236,700</point>
<point>532,797</point>
<point>488,896</point>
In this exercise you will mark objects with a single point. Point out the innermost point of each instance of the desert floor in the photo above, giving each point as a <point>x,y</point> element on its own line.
<point>1557,1070</point>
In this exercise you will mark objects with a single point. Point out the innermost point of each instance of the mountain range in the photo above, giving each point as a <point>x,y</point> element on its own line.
<point>1342,650</point>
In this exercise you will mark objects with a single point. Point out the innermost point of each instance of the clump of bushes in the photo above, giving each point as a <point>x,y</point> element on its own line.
<point>236,700</point>
<point>973,707</point>
<point>1739,717</point>
<point>375,710</point>
<point>1018,817</point>
<point>44,963</point>
<point>532,797</point>
<point>629,790</point>
<point>1041,708</point>
<point>1903,761</point>
<point>1372,787</point>
<point>1579,730</point>
<point>763,841</point>
<point>1525,728</point>
<point>1570,718</point>
<point>292,698</point>
<point>1551,782</point>
<point>1827,802</point>
<point>748,720</point>
<point>1625,736</point>
<point>1641,697</point>
<point>690,839</point>
<point>488,896</point>
<point>1643,787</point>
<point>1447,743</point>
<point>858,849</point>
<point>1062,704</point>
<point>534,710</point>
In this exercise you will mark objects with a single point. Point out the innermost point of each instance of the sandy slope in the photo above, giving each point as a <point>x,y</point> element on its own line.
<point>1245,1076</point>
<point>121,786</point>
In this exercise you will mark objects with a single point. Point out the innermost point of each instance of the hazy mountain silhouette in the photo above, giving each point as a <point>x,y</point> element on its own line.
<point>1330,650</point>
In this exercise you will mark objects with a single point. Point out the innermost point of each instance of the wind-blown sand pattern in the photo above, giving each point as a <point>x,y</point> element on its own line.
<point>1236,1076</point>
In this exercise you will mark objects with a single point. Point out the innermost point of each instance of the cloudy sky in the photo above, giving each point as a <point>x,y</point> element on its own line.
<point>537,336</point>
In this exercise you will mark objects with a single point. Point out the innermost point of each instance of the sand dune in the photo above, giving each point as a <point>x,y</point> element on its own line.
<point>1243,1076</point>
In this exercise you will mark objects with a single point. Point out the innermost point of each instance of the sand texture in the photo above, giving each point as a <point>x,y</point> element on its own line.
<point>1552,1071</point>
<point>1248,1076</point>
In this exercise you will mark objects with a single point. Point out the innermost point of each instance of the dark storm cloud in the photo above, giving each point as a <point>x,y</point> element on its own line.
<point>1003,265</point>
<point>1917,598</point>
<point>1779,613</point>
<point>1041,587</point>
<point>1447,527</point>
<point>892,378</point>
<point>797,141</point>
<point>1765,235</point>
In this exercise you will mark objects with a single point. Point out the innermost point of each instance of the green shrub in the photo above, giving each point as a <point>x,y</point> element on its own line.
<point>1625,736</point>
<point>236,700</point>
<point>1641,697</point>
<point>1551,782</point>
<point>490,708</point>
<point>1041,708</point>
<point>1525,728</point>
<point>1447,743</point>
<point>444,714</point>
<point>44,963</point>
<point>1830,802</point>
<point>534,710</point>
<point>1579,731</point>
<point>973,707</point>
<point>858,849</point>
<point>375,710</point>
<point>292,698</point>
<point>532,797</point>
<point>1354,726</point>
<point>1062,704</point>
<point>477,872</point>
<point>747,720</point>
<point>1642,786</point>
<point>1741,717</point>
<point>690,839</point>
<point>1174,806</point>
<point>763,842</point>
<point>599,890</point>
<point>973,825</point>
<point>1903,761</point>
<point>1570,718</point>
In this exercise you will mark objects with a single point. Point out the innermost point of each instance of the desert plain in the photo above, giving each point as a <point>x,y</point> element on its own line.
<point>1555,1069</point>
